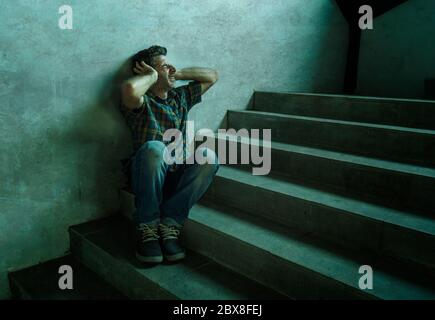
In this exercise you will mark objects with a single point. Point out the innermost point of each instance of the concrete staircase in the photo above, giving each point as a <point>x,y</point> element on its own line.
<point>352,184</point>
<point>343,192</point>
<point>41,282</point>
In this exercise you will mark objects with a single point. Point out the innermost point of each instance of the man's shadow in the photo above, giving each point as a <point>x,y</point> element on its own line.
<point>103,139</point>
<point>111,99</point>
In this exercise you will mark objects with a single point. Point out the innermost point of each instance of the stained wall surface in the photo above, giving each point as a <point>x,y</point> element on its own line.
<point>61,134</point>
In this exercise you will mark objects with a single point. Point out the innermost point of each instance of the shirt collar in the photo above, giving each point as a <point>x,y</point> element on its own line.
<point>152,95</point>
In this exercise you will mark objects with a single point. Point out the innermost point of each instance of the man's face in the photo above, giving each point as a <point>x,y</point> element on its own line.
<point>166,72</point>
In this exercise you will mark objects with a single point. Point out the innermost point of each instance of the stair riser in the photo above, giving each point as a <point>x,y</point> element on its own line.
<point>381,143</point>
<point>264,267</point>
<point>386,187</point>
<point>330,223</point>
<point>120,275</point>
<point>398,113</point>
<point>40,282</point>
<point>18,292</point>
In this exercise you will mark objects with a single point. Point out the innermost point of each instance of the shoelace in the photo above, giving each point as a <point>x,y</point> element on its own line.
<point>149,233</point>
<point>169,232</point>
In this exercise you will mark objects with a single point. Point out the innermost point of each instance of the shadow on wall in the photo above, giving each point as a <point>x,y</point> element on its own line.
<point>103,139</point>
<point>110,99</point>
<point>70,174</point>
<point>118,146</point>
<point>397,56</point>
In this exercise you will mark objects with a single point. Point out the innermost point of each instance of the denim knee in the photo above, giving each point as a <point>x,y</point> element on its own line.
<point>149,157</point>
<point>211,161</point>
<point>152,149</point>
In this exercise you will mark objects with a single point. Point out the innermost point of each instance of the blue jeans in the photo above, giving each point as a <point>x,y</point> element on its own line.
<point>165,196</point>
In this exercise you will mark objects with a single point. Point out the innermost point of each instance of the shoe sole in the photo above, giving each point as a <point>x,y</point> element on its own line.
<point>175,257</point>
<point>154,259</point>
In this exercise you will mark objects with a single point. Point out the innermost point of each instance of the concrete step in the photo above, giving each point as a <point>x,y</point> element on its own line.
<point>396,112</point>
<point>107,247</point>
<point>357,224</point>
<point>399,144</point>
<point>40,282</point>
<point>292,262</point>
<point>402,186</point>
<point>259,249</point>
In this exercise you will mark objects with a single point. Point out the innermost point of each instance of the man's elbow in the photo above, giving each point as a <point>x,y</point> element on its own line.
<point>127,89</point>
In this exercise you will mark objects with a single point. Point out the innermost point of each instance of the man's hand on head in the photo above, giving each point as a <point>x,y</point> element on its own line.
<point>134,88</point>
<point>143,69</point>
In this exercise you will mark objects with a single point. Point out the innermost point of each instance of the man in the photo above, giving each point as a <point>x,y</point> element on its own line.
<point>164,193</point>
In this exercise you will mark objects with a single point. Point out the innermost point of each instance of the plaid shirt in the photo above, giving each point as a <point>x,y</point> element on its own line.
<point>155,116</point>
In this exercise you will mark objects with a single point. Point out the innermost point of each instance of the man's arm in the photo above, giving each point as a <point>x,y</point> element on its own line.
<point>134,88</point>
<point>207,77</point>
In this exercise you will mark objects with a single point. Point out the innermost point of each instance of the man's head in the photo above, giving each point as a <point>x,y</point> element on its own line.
<point>155,56</point>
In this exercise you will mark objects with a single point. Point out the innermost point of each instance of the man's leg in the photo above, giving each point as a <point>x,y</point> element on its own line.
<point>148,177</point>
<point>191,183</point>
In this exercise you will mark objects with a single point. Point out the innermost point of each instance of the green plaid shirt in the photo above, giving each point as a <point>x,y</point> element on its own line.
<point>155,116</point>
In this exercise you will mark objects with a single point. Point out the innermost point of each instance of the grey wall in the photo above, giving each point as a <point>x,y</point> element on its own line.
<point>61,135</point>
<point>398,54</point>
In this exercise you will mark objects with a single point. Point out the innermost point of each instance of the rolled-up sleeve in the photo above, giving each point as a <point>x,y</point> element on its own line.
<point>190,93</point>
<point>132,116</point>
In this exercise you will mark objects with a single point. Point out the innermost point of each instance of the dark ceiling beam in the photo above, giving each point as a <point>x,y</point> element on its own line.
<point>349,8</point>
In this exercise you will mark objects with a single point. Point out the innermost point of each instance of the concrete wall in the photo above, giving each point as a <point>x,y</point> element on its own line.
<point>398,54</point>
<point>61,133</point>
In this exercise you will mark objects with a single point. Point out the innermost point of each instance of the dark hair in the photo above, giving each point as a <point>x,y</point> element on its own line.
<point>147,55</point>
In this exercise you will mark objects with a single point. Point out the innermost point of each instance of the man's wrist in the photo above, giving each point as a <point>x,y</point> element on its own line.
<point>179,75</point>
